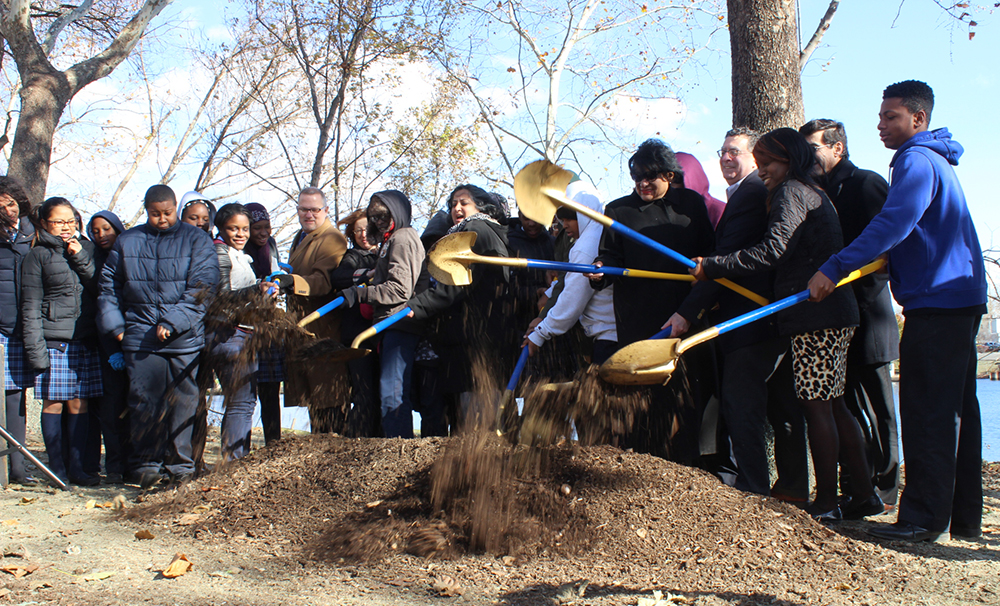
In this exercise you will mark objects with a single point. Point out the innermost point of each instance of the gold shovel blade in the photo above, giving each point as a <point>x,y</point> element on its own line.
<point>450,259</point>
<point>529,184</point>
<point>642,363</point>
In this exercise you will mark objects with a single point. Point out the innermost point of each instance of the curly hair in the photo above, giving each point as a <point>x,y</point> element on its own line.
<point>914,94</point>
<point>654,158</point>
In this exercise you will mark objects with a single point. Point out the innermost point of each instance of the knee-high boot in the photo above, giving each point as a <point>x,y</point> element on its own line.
<point>52,435</point>
<point>78,428</point>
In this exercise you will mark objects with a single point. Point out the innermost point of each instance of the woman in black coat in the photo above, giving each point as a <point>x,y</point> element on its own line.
<point>58,308</point>
<point>662,209</point>
<point>15,242</point>
<point>803,231</point>
<point>473,321</point>
<point>364,418</point>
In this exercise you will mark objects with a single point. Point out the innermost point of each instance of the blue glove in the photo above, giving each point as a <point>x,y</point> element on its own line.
<point>117,361</point>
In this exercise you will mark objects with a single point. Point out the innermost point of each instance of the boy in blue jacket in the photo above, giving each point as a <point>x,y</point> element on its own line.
<point>154,287</point>
<point>937,275</point>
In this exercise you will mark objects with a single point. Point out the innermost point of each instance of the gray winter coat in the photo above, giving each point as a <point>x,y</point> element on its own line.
<point>158,278</point>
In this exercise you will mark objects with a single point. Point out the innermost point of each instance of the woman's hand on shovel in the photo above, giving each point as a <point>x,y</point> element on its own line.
<point>820,287</point>
<point>698,272</point>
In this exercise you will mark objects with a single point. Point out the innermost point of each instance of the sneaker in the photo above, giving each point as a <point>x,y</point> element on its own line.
<point>145,479</point>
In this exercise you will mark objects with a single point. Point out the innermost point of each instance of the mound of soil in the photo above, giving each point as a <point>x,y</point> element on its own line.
<point>494,518</point>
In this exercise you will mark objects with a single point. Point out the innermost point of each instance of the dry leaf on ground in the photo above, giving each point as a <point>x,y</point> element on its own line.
<point>189,519</point>
<point>18,570</point>
<point>92,503</point>
<point>144,535</point>
<point>97,576</point>
<point>178,566</point>
<point>447,587</point>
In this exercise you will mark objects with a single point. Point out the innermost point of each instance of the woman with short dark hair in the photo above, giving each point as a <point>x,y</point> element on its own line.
<point>660,208</point>
<point>803,232</point>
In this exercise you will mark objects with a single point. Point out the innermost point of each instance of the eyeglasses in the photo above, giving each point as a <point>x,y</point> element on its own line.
<point>61,223</point>
<point>817,146</point>
<point>310,211</point>
<point>360,231</point>
<point>732,152</point>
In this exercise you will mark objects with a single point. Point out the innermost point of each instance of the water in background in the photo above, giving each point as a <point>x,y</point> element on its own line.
<point>988,392</point>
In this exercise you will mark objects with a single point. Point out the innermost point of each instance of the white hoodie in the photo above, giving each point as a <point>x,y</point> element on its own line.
<point>578,301</point>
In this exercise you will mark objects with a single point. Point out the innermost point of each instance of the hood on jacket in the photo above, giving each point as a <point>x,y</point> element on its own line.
<point>44,238</point>
<point>584,193</point>
<point>436,228</point>
<point>695,178</point>
<point>938,140</point>
<point>398,205</point>
<point>108,216</point>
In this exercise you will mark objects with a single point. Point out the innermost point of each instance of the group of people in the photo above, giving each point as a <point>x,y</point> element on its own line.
<point>80,315</point>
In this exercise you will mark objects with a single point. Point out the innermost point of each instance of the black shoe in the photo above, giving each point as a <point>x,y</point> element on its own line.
<point>113,478</point>
<point>854,509</point>
<point>86,481</point>
<point>145,479</point>
<point>25,480</point>
<point>182,478</point>
<point>824,517</point>
<point>903,531</point>
<point>966,532</point>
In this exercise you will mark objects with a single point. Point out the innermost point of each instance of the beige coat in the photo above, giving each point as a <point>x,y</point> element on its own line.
<point>318,384</point>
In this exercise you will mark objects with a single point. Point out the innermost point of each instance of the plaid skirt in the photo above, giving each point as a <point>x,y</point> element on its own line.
<point>270,366</point>
<point>74,373</point>
<point>16,374</point>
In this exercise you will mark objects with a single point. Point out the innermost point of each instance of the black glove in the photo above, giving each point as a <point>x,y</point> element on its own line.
<point>285,282</point>
<point>350,296</point>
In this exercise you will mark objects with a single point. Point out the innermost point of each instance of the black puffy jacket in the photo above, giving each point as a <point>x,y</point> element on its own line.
<point>58,296</point>
<point>803,231</point>
<point>13,249</point>
<point>158,278</point>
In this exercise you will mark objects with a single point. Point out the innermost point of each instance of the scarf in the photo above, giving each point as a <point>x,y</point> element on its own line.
<point>475,217</point>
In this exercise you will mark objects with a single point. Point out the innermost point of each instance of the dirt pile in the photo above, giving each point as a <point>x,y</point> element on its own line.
<point>596,512</point>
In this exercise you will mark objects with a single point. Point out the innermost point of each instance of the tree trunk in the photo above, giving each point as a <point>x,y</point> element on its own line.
<point>767,90</point>
<point>43,100</point>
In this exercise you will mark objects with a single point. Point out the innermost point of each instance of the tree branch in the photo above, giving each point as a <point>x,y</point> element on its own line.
<point>824,24</point>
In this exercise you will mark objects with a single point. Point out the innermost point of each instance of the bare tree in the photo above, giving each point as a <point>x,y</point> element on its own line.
<point>45,90</point>
<point>569,62</point>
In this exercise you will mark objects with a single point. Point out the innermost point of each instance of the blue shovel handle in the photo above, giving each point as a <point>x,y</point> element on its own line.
<point>518,369</point>
<point>379,327</point>
<point>649,242</point>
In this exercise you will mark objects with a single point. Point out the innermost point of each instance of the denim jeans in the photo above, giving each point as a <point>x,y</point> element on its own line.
<point>399,349</point>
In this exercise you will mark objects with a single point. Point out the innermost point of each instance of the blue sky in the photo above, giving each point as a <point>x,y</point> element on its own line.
<point>861,54</point>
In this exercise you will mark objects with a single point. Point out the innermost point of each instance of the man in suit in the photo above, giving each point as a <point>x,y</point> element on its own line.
<point>754,353</point>
<point>858,196</point>
<point>316,250</point>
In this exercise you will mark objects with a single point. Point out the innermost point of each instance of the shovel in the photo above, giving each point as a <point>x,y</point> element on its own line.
<point>451,257</point>
<point>507,419</point>
<point>334,351</point>
<point>322,311</point>
<point>653,361</point>
<point>540,186</point>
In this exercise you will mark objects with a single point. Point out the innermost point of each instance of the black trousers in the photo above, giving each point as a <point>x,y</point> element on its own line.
<point>108,420</point>
<point>162,402</point>
<point>757,388</point>
<point>939,418</point>
<point>15,402</point>
<point>868,395</point>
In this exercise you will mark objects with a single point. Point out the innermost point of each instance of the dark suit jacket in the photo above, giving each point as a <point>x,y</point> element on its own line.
<point>858,196</point>
<point>742,225</point>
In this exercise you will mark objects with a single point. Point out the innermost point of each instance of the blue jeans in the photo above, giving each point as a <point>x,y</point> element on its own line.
<point>239,388</point>
<point>399,349</point>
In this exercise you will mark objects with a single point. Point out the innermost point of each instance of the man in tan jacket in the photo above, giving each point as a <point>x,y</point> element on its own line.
<point>316,250</point>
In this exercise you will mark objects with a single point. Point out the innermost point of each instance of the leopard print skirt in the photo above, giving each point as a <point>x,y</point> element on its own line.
<point>819,362</point>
